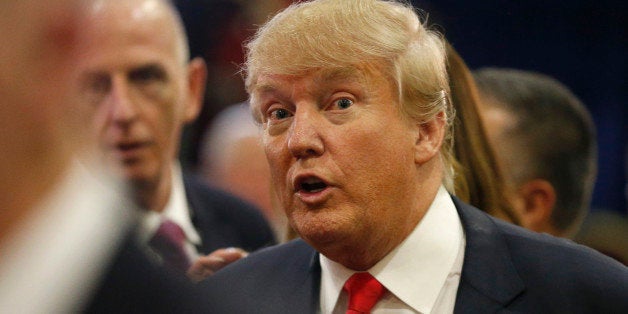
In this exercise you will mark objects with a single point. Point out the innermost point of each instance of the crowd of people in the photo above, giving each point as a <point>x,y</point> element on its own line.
<point>370,170</point>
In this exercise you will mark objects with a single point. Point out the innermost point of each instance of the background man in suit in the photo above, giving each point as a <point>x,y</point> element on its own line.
<point>137,76</point>
<point>353,100</point>
<point>61,219</point>
<point>544,141</point>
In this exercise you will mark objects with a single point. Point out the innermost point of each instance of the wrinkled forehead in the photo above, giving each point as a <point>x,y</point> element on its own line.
<point>364,73</point>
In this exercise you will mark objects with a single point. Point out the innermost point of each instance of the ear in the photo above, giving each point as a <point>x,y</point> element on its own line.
<point>429,138</point>
<point>197,76</point>
<point>539,199</point>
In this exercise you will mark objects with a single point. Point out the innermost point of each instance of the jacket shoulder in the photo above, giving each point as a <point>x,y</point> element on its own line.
<point>540,271</point>
<point>224,220</point>
<point>279,279</point>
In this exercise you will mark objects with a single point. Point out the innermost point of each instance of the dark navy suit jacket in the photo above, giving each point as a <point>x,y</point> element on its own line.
<point>223,220</point>
<point>506,270</point>
<point>132,283</point>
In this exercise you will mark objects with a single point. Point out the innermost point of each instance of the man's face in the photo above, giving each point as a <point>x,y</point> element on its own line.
<point>136,77</point>
<point>341,156</point>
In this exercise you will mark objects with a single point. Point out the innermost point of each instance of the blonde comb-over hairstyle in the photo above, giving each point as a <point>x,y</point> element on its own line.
<point>355,33</point>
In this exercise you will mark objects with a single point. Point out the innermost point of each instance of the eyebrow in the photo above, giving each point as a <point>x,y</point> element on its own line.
<point>265,88</point>
<point>350,74</point>
<point>152,68</point>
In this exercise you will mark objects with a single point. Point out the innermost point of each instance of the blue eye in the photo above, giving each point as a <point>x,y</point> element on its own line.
<point>279,114</point>
<point>344,103</point>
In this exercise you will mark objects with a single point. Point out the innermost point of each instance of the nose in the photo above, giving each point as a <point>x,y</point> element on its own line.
<point>304,137</point>
<point>121,109</point>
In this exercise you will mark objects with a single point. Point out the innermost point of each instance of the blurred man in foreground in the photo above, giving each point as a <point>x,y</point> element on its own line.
<point>39,137</point>
<point>62,221</point>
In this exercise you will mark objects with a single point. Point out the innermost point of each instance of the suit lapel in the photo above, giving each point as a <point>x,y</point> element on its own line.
<point>312,285</point>
<point>193,203</point>
<point>306,290</point>
<point>295,282</point>
<point>201,219</point>
<point>489,279</point>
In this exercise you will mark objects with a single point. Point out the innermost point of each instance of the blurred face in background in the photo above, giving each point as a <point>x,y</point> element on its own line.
<point>136,76</point>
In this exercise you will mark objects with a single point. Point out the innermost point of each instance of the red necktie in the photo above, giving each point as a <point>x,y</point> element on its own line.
<point>364,291</point>
<point>168,242</point>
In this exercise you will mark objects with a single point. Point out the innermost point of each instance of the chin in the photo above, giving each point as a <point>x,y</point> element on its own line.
<point>323,234</point>
<point>135,175</point>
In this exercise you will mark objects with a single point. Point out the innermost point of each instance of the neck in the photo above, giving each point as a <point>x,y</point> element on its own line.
<point>153,194</point>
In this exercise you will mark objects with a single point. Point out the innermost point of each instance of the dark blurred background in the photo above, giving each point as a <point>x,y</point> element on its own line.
<point>581,43</point>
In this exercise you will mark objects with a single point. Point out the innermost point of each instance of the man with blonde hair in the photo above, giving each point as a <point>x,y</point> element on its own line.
<point>353,100</point>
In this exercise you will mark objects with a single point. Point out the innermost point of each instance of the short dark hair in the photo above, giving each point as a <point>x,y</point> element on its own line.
<point>553,130</point>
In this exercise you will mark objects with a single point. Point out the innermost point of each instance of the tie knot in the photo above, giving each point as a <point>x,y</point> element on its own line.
<point>171,232</point>
<point>168,242</point>
<point>364,291</point>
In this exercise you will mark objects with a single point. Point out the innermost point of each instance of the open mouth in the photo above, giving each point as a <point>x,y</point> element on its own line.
<point>128,146</point>
<point>310,185</point>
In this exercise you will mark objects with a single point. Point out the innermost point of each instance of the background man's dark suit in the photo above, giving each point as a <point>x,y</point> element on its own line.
<point>223,220</point>
<point>134,284</point>
<point>505,269</point>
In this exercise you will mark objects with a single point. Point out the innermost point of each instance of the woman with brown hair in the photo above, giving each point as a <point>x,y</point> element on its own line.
<point>478,180</point>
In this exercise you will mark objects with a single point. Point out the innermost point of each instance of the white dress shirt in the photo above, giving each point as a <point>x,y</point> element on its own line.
<point>421,275</point>
<point>176,210</point>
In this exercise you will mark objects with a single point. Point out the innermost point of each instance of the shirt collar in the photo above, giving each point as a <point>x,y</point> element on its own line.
<point>416,270</point>
<point>178,209</point>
